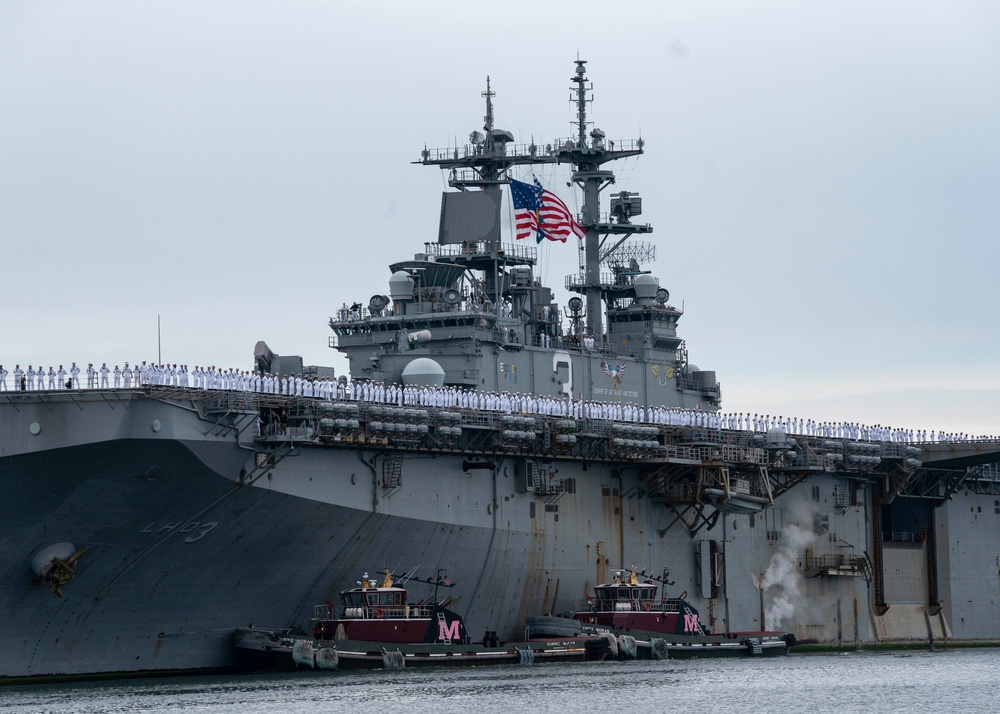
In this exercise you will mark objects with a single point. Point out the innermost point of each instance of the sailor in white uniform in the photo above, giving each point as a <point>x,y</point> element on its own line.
<point>74,373</point>
<point>104,375</point>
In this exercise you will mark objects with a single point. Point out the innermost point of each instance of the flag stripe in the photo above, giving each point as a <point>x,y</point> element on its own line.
<point>540,211</point>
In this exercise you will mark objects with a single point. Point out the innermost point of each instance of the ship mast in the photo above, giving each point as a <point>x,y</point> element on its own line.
<point>588,157</point>
<point>485,164</point>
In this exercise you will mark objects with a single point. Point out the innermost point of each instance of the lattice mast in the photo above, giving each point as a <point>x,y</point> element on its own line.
<point>588,157</point>
<point>486,162</point>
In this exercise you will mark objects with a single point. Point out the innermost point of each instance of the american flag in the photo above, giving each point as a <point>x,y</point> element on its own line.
<point>538,210</point>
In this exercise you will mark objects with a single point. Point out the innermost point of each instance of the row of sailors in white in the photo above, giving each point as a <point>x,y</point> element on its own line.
<point>105,377</point>
<point>294,385</point>
<point>809,427</point>
<point>27,378</point>
<point>840,430</point>
<point>576,409</point>
<point>97,378</point>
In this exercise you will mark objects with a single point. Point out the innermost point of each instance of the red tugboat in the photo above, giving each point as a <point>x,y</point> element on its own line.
<point>650,626</point>
<point>375,627</point>
<point>382,614</point>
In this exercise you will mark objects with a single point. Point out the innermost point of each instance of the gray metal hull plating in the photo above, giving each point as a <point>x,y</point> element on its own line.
<point>180,552</point>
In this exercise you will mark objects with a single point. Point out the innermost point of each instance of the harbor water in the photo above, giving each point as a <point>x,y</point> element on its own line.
<point>953,681</point>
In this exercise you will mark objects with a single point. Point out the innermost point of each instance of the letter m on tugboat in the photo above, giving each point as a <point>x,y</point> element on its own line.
<point>448,631</point>
<point>691,623</point>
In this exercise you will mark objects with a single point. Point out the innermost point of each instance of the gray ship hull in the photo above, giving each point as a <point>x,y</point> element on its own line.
<point>188,537</point>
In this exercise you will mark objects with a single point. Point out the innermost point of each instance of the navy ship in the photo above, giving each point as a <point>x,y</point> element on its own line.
<point>535,449</point>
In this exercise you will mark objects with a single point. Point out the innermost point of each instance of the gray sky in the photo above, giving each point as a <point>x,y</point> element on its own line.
<point>823,178</point>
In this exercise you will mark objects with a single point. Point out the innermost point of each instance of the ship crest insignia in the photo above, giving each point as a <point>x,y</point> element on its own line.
<point>667,373</point>
<point>614,372</point>
<point>508,372</point>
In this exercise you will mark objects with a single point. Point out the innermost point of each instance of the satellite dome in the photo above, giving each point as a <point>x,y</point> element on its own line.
<point>423,371</point>
<point>401,286</point>
<point>776,437</point>
<point>646,286</point>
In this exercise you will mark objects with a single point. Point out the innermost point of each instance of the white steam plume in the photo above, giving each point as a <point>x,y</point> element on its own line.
<point>782,579</point>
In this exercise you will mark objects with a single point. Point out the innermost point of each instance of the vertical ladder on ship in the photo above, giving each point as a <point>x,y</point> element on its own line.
<point>537,477</point>
<point>392,471</point>
<point>688,616</point>
<point>443,629</point>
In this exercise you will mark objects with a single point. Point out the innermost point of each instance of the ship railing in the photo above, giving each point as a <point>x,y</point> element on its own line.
<point>744,455</point>
<point>636,606</point>
<point>473,151</point>
<point>300,432</point>
<point>573,342</point>
<point>377,612</point>
<point>987,473</point>
<point>290,433</point>
<point>832,561</point>
<point>348,316</point>
<point>623,279</point>
<point>452,250</point>
<point>696,385</point>
<point>557,342</point>
<point>512,150</point>
<point>274,428</point>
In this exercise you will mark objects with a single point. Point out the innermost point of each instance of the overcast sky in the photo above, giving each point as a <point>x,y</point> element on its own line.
<point>823,178</point>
